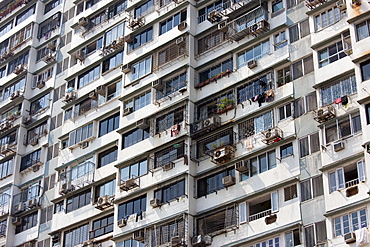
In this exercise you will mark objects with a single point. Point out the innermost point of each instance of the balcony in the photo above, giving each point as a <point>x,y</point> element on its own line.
<point>252,23</point>
<point>8,149</point>
<point>77,177</point>
<point>26,200</point>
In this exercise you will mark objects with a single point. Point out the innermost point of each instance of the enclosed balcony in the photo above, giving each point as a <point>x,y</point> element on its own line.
<point>27,199</point>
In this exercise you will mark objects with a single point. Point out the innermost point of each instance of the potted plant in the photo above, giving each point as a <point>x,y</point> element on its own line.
<point>224,105</point>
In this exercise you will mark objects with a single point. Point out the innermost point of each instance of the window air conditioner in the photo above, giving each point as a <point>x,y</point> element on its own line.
<point>126,68</point>
<point>129,184</point>
<point>83,21</point>
<point>272,135</point>
<point>142,123</point>
<point>222,26</point>
<point>122,222</point>
<point>14,95</point>
<point>138,235</point>
<point>241,166</point>
<point>31,203</point>
<point>103,201</point>
<point>252,64</point>
<point>168,166</point>
<point>182,26</point>
<point>350,237</point>
<point>18,69</point>
<point>34,141</point>
<point>212,122</point>
<point>93,95</point>
<point>19,207</point>
<point>63,189</point>
<point>128,111</point>
<point>80,55</point>
<point>324,114</point>
<point>4,149</point>
<point>155,202</point>
<point>341,4</point>
<point>84,145</point>
<point>228,180</point>
<point>222,155</point>
<point>35,168</point>
<point>101,90</point>
<point>214,16</point>
<point>180,40</point>
<point>195,127</point>
<point>338,146</point>
<point>157,85</point>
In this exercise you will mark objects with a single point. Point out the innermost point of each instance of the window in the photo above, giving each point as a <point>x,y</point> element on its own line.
<point>77,201</point>
<point>290,193</point>
<point>172,118</point>
<point>130,243</point>
<point>107,189</point>
<point>88,76</point>
<point>49,182</point>
<point>220,139</point>
<point>76,236</point>
<point>203,13</point>
<point>134,136</point>
<point>256,125</point>
<point>365,70</point>
<point>363,30</point>
<point>114,34</point>
<point>44,76</point>
<point>27,222</point>
<point>48,26</point>
<point>51,5</point>
<point>273,242</point>
<point>169,192</point>
<point>135,206</point>
<point>256,52</point>
<point>367,109</point>
<point>111,91</point>
<point>207,74</point>
<point>6,168</point>
<point>328,18</point>
<point>342,128</point>
<point>140,39</point>
<point>293,238</point>
<point>347,176</point>
<point>309,144</point>
<point>139,101</point>
<point>163,234</point>
<point>286,150</point>
<point>311,188</point>
<point>40,104</point>
<point>98,18</point>
<point>23,16</point>
<point>299,30</point>
<point>3,228</point>
<point>10,138</point>
<point>292,3</point>
<point>141,68</point>
<point>68,114</point>
<point>350,222</point>
<point>53,151</point>
<point>107,156</point>
<point>81,170</point>
<point>172,22</point>
<point>80,134</point>
<point>94,46</point>
<point>135,170</point>
<point>113,62</point>
<point>144,9</point>
<point>171,85</point>
<point>168,155</point>
<point>30,159</point>
<point>331,54</point>
<point>20,60</point>
<point>117,8</point>
<point>346,86</point>
<point>171,52</point>
<point>218,222</point>
<point>18,86</point>
<point>21,36</point>
<point>109,124</point>
<point>280,40</point>
<point>295,71</point>
<point>46,214</point>
<point>259,164</point>
<point>56,121</point>
<point>213,183</point>
<point>6,28</point>
<point>315,234</point>
<point>59,207</point>
<point>305,104</point>
<point>37,132</point>
<point>2,72</point>
<point>285,111</point>
<point>102,226</point>
<point>210,41</point>
<point>276,6</point>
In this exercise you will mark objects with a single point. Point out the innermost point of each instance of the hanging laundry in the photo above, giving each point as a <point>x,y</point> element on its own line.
<point>337,101</point>
<point>361,237</point>
<point>261,99</point>
<point>270,95</point>
<point>344,100</point>
<point>175,129</point>
<point>249,142</point>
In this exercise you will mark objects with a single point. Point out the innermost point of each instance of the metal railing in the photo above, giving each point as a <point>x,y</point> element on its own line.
<point>259,215</point>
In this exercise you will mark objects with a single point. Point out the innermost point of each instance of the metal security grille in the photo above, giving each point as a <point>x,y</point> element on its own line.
<point>211,41</point>
<point>172,52</point>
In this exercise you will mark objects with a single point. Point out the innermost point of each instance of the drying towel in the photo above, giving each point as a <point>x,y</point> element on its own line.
<point>249,143</point>
<point>361,237</point>
<point>337,101</point>
<point>175,129</point>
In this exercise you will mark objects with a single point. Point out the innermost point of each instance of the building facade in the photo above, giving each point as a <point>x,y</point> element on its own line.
<point>184,123</point>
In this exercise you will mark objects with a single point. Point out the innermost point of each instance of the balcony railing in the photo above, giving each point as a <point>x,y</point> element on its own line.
<point>27,199</point>
<point>352,182</point>
<point>259,215</point>
<point>76,178</point>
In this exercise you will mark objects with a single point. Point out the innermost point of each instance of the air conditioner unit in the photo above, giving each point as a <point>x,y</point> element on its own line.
<point>101,90</point>
<point>63,189</point>
<point>27,119</point>
<point>212,122</point>
<point>168,166</point>
<point>14,95</point>
<point>35,168</point>
<point>103,201</point>
<point>222,26</point>
<point>182,26</point>
<point>19,207</point>
<point>142,123</point>
<point>252,64</point>
<point>31,203</point>
<point>195,127</point>
<point>129,184</point>
<point>69,97</point>
<point>228,180</point>
<point>126,68</point>
<point>40,84</point>
<point>34,141</point>
<point>93,95</point>
<point>136,23</point>
<point>214,16</point>
<point>80,55</point>
<point>138,235</point>
<point>18,69</point>
<point>157,85</point>
<point>128,111</point>
<point>129,38</point>
<point>180,40</point>
<point>122,222</point>
<point>272,135</point>
<point>16,221</point>
<point>177,241</point>
<point>83,21</point>
<point>241,166</point>
<point>201,240</point>
<point>338,146</point>
<point>84,145</point>
<point>349,237</point>
<point>222,155</point>
<point>259,27</point>
<point>324,114</point>
<point>51,46</point>
<point>4,149</point>
<point>155,202</point>
<point>49,58</point>
<point>341,4</point>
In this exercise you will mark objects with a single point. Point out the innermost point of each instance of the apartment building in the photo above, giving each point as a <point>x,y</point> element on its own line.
<point>184,123</point>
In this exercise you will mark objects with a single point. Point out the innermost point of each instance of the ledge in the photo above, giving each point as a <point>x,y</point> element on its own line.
<point>347,207</point>
<point>334,78</point>
<point>342,161</point>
